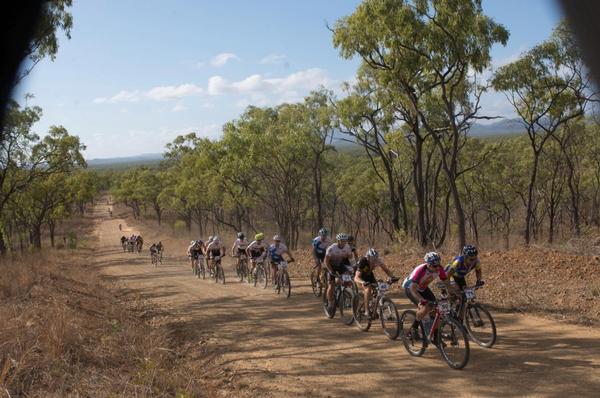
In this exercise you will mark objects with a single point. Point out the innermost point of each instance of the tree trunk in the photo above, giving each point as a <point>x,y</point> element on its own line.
<point>419,189</point>
<point>36,236</point>
<point>532,180</point>
<point>52,228</point>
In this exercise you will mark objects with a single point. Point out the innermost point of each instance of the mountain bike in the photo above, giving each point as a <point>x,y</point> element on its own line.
<point>446,332</point>
<point>282,279</point>
<point>198,266</point>
<point>154,258</point>
<point>260,274</point>
<point>218,272</point>
<point>242,267</point>
<point>318,279</point>
<point>476,319</point>
<point>379,305</point>
<point>343,298</point>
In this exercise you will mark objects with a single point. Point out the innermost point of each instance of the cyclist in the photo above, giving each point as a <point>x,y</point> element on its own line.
<point>462,265</point>
<point>215,249</point>
<point>239,246</point>
<point>349,262</point>
<point>153,250</point>
<point>195,251</point>
<point>320,245</point>
<point>335,257</point>
<point>365,275</point>
<point>256,251</point>
<point>416,286</point>
<point>276,252</point>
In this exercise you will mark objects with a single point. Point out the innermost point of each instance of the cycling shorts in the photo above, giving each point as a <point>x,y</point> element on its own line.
<point>427,294</point>
<point>337,269</point>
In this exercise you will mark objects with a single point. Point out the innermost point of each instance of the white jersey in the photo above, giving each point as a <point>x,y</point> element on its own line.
<point>257,249</point>
<point>337,255</point>
<point>240,244</point>
<point>214,246</point>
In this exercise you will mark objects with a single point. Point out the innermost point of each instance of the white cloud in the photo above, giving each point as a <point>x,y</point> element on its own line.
<point>223,58</point>
<point>272,59</point>
<point>179,107</point>
<point>161,93</point>
<point>263,90</point>
<point>173,92</point>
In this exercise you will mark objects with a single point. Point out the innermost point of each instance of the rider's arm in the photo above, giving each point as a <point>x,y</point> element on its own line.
<point>478,274</point>
<point>233,248</point>
<point>358,277</point>
<point>327,264</point>
<point>386,270</point>
<point>415,292</point>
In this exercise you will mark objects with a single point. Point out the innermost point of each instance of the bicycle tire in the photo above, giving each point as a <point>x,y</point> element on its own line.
<point>261,277</point>
<point>220,273</point>
<point>317,287</point>
<point>286,284</point>
<point>360,320</point>
<point>415,345</point>
<point>345,304</point>
<point>456,334</point>
<point>481,310</point>
<point>391,325</point>
<point>329,312</point>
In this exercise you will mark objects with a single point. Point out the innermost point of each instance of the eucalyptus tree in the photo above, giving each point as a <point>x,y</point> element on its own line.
<point>423,53</point>
<point>547,90</point>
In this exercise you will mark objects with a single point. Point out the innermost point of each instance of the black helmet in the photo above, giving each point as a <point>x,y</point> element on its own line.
<point>470,251</point>
<point>241,235</point>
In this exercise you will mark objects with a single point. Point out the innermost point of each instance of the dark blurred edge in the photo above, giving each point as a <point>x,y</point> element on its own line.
<point>583,16</point>
<point>18,19</point>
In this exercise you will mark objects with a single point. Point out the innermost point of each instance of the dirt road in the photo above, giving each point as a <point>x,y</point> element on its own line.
<point>280,347</point>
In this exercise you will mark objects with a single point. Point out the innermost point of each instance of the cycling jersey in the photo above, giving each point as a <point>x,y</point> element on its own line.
<point>240,245</point>
<point>320,247</point>
<point>460,267</point>
<point>195,250</point>
<point>276,252</point>
<point>337,255</point>
<point>422,276</point>
<point>214,248</point>
<point>257,249</point>
<point>365,267</point>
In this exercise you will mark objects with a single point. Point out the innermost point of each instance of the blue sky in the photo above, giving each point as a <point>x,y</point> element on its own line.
<point>137,74</point>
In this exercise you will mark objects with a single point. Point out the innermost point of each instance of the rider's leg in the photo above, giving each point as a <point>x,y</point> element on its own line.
<point>330,289</point>
<point>274,273</point>
<point>367,294</point>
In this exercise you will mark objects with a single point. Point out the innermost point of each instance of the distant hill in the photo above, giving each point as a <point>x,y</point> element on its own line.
<point>146,159</point>
<point>499,128</point>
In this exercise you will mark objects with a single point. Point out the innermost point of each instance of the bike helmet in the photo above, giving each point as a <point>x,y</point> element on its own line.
<point>215,238</point>
<point>193,242</point>
<point>470,251</point>
<point>341,236</point>
<point>323,232</point>
<point>199,242</point>
<point>241,235</point>
<point>259,236</point>
<point>277,238</point>
<point>372,253</point>
<point>210,239</point>
<point>432,258</point>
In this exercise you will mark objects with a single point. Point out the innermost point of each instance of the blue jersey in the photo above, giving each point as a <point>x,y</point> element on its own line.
<point>320,246</point>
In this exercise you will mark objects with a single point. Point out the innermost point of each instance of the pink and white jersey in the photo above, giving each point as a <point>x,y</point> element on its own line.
<point>337,254</point>
<point>422,276</point>
<point>240,244</point>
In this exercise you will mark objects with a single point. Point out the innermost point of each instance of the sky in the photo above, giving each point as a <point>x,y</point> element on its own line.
<point>136,74</point>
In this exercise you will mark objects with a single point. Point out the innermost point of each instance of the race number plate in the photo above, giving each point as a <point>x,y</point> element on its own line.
<point>346,278</point>
<point>469,294</point>
<point>444,307</point>
<point>283,265</point>
<point>384,286</point>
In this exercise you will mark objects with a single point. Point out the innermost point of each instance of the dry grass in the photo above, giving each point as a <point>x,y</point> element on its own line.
<point>65,332</point>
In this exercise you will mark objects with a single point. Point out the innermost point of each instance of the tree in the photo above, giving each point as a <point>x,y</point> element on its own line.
<point>547,91</point>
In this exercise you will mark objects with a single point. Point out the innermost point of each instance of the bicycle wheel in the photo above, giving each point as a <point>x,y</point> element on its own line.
<point>315,282</point>
<point>453,343</point>
<point>362,321</point>
<point>480,325</point>
<point>345,304</point>
<point>244,270</point>
<point>390,321</point>
<point>329,311</point>
<point>220,273</point>
<point>261,277</point>
<point>413,337</point>
<point>285,284</point>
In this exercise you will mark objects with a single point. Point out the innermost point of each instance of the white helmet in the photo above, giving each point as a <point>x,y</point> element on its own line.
<point>193,242</point>
<point>210,239</point>
<point>341,236</point>
<point>432,258</point>
<point>372,253</point>
<point>277,238</point>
